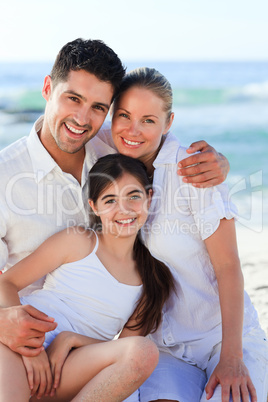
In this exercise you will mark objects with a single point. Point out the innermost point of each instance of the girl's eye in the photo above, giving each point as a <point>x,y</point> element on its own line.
<point>135,197</point>
<point>73,98</point>
<point>111,201</point>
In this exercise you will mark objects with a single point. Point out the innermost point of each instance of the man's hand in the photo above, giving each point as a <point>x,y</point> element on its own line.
<point>23,328</point>
<point>205,169</point>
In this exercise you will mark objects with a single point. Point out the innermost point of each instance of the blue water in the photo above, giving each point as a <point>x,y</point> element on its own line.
<point>225,103</point>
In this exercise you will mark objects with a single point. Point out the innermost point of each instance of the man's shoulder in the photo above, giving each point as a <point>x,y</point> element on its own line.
<point>15,157</point>
<point>14,150</point>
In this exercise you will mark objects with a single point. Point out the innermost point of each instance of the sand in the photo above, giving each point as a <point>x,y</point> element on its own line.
<point>253,251</point>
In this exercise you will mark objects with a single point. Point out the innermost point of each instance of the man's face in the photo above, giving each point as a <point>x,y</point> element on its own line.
<point>75,110</point>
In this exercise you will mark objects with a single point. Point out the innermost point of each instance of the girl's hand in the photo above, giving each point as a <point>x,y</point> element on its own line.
<point>233,376</point>
<point>39,374</point>
<point>57,352</point>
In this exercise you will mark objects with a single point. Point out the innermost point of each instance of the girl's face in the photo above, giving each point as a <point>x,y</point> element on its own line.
<point>138,124</point>
<point>122,207</point>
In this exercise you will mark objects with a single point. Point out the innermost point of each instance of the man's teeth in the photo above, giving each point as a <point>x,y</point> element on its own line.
<point>74,130</point>
<point>131,142</point>
<point>125,221</point>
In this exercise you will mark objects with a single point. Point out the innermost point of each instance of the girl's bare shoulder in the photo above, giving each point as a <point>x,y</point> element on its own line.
<point>80,242</point>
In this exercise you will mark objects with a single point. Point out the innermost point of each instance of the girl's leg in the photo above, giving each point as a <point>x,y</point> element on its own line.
<point>108,371</point>
<point>13,380</point>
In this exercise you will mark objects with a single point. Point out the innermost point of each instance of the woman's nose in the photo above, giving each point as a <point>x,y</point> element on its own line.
<point>134,128</point>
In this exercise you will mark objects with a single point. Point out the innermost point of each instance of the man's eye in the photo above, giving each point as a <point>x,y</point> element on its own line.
<point>135,197</point>
<point>109,201</point>
<point>74,99</point>
<point>98,107</point>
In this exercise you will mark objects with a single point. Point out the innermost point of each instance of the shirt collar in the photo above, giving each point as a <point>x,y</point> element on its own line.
<point>169,151</point>
<point>42,161</point>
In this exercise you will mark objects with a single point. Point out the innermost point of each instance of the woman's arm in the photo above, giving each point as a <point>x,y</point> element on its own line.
<point>231,372</point>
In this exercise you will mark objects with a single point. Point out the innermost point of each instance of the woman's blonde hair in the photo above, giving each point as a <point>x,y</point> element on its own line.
<point>151,79</point>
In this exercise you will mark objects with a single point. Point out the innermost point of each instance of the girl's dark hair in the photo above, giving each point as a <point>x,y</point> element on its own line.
<point>156,277</point>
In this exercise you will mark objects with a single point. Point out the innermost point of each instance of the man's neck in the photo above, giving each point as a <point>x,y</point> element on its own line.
<point>71,163</point>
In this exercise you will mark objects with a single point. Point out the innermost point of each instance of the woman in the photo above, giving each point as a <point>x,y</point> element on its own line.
<point>101,280</point>
<point>208,351</point>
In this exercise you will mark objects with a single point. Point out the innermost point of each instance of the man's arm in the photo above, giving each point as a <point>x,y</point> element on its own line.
<point>204,169</point>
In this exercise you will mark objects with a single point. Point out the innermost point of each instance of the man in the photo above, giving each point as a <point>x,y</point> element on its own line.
<point>43,182</point>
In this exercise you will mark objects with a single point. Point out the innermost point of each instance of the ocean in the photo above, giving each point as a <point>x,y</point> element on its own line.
<point>224,103</point>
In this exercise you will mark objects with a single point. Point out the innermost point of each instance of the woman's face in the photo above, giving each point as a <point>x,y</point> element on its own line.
<point>138,124</point>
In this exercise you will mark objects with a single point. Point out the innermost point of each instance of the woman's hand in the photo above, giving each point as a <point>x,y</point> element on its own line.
<point>233,376</point>
<point>39,374</point>
<point>204,169</point>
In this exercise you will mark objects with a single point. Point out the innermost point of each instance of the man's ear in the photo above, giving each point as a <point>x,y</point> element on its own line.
<point>91,203</point>
<point>169,124</point>
<point>47,87</point>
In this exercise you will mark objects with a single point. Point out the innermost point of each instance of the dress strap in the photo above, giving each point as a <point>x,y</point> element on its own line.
<point>97,241</point>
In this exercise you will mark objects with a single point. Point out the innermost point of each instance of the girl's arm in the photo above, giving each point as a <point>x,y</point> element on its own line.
<point>23,328</point>
<point>59,349</point>
<point>55,251</point>
<point>231,372</point>
<point>131,332</point>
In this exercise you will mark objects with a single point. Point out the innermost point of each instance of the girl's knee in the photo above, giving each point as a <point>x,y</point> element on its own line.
<point>143,355</point>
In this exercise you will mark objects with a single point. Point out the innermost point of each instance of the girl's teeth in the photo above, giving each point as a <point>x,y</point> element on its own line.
<point>126,221</point>
<point>74,130</point>
<point>131,142</point>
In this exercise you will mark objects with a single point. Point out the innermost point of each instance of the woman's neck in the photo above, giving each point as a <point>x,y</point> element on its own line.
<point>148,162</point>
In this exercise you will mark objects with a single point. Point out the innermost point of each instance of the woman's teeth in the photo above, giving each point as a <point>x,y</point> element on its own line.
<point>131,142</point>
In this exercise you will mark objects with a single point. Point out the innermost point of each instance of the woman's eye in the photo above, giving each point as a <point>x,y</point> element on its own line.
<point>110,201</point>
<point>135,197</point>
<point>149,121</point>
<point>123,115</point>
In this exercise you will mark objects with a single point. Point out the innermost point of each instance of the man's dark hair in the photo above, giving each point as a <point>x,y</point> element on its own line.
<point>92,56</point>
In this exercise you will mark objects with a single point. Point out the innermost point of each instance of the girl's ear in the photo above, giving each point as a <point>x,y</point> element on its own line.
<point>150,195</point>
<point>169,124</point>
<point>91,203</point>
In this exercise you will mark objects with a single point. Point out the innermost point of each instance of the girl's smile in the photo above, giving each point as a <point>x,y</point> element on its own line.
<point>122,206</point>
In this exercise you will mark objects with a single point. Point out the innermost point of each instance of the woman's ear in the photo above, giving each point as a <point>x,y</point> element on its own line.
<point>169,124</point>
<point>91,204</point>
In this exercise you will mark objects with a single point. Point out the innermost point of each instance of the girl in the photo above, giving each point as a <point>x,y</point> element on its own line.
<point>211,343</point>
<point>100,281</point>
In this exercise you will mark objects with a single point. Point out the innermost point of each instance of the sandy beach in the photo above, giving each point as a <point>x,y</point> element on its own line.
<point>253,251</point>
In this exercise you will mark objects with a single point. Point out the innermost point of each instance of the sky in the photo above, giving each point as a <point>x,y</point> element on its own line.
<point>160,30</point>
